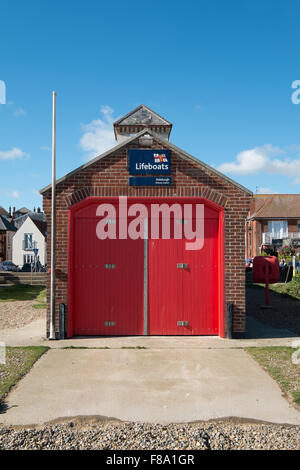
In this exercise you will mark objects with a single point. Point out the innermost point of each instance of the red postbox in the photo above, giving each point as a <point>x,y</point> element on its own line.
<point>266,271</point>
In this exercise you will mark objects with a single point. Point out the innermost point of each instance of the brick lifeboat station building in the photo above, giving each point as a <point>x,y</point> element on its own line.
<point>116,276</point>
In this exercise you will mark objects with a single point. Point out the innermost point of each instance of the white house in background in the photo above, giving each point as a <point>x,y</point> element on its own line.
<point>32,234</point>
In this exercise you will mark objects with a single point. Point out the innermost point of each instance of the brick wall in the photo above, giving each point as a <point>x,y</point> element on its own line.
<point>109,177</point>
<point>254,237</point>
<point>293,226</point>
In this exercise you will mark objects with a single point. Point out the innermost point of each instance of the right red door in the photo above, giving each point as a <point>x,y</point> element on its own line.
<point>184,284</point>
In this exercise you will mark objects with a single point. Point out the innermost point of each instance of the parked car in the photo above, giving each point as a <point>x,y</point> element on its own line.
<point>8,266</point>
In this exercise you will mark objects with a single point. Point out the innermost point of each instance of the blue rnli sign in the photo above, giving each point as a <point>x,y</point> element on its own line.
<point>149,162</point>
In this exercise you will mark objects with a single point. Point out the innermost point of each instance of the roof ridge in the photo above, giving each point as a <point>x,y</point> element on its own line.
<point>276,206</point>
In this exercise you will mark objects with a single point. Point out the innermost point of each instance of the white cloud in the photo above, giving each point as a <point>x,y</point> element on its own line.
<point>19,112</point>
<point>13,154</point>
<point>265,159</point>
<point>250,161</point>
<point>98,135</point>
<point>265,191</point>
<point>10,193</point>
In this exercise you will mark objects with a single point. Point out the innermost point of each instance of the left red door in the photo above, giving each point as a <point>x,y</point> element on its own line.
<point>108,290</point>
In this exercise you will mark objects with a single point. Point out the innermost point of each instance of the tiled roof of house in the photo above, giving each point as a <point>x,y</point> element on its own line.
<point>6,225</point>
<point>23,210</point>
<point>33,215</point>
<point>3,211</point>
<point>41,225</point>
<point>268,206</point>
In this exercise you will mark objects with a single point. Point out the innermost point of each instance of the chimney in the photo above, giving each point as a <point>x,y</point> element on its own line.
<point>34,209</point>
<point>14,212</point>
<point>9,211</point>
<point>38,210</point>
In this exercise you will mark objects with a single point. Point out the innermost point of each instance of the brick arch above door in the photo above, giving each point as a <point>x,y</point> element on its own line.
<point>107,191</point>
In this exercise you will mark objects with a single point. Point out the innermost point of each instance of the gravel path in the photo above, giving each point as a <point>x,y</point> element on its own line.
<point>19,313</point>
<point>112,435</point>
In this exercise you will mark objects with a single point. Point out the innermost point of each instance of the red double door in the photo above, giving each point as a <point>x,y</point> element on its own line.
<point>137,287</point>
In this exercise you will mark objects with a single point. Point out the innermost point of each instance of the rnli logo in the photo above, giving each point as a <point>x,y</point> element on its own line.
<point>160,158</point>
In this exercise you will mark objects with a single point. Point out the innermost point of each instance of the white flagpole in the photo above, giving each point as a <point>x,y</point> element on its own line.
<point>53,222</point>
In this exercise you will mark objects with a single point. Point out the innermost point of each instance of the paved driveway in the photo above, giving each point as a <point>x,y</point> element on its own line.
<point>155,385</point>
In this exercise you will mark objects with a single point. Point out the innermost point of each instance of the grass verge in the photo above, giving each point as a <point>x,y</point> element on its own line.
<point>19,361</point>
<point>24,292</point>
<point>277,361</point>
<point>41,299</point>
<point>291,289</point>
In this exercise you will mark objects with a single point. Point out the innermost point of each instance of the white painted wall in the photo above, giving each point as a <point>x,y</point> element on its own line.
<point>17,243</point>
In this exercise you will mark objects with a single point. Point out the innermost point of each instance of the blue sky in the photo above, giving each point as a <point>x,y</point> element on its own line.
<point>221,72</point>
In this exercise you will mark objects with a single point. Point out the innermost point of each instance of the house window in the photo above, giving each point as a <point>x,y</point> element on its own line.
<point>278,228</point>
<point>27,259</point>
<point>28,239</point>
<point>298,228</point>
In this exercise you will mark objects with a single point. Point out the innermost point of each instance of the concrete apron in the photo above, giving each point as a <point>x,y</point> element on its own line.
<point>155,385</point>
<point>33,334</point>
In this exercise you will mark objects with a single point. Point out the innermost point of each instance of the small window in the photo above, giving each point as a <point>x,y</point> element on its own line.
<point>27,259</point>
<point>278,228</point>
